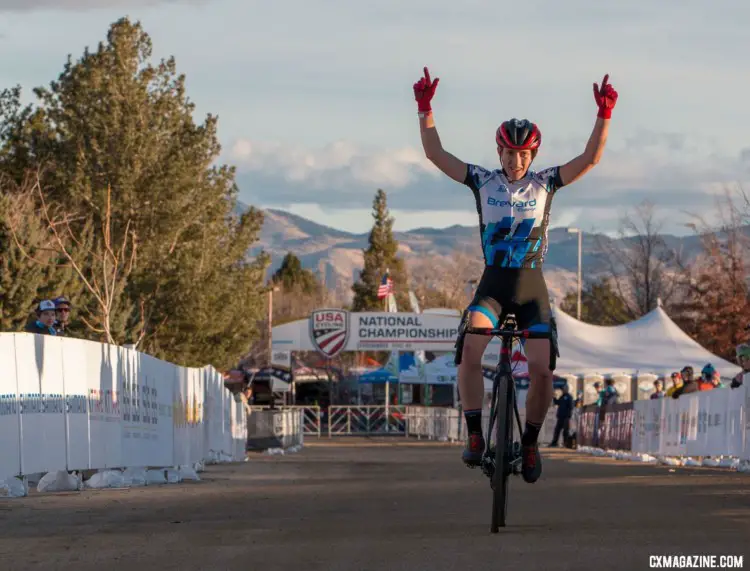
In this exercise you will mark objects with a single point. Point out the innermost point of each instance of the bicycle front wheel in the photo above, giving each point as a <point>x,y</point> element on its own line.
<point>503,447</point>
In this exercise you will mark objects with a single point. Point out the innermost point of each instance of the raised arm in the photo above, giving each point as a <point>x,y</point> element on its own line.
<point>605,97</point>
<point>455,168</point>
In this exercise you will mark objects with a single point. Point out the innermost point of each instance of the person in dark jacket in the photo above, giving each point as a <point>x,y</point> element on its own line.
<point>62,314</point>
<point>690,385</point>
<point>565,406</point>
<point>45,319</point>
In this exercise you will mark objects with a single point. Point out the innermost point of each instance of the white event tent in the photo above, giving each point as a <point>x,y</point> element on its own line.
<point>652,344</point>
<point>649,347</point>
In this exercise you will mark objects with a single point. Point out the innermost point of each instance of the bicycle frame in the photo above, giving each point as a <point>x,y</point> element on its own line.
<point>505,460</point>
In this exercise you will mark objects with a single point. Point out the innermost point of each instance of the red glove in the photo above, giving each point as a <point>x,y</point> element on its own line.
<point>605,98</point>
<point>424,90</point>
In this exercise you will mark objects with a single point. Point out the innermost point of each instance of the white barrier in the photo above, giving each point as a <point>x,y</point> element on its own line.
<point>69,404</point>
<point>447,424</point>
<point>709,423</point>
<point>433,423</point>
<point>280,428</point>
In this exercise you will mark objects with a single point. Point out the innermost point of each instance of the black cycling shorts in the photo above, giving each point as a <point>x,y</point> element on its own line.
<point>520,291</point>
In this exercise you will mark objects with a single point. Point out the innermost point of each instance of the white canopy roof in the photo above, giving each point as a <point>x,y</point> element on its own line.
<point>651,344</point>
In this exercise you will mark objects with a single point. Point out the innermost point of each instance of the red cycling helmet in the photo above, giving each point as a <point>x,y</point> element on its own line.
<point>518,134</point>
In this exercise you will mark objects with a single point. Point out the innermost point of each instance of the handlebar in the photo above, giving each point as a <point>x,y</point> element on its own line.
<point>504,333</point>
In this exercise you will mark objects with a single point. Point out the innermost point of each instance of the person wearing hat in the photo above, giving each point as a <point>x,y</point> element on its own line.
<point>690,385</point>
<point>710,379</point>
<point>45,319</point>
<point>676,384</point>
<point>62,315</point>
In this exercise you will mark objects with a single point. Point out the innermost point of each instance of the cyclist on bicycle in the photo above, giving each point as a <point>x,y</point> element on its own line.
<point>513,204</point>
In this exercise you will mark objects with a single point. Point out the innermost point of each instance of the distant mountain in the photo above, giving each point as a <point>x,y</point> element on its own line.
<point>337,255</point>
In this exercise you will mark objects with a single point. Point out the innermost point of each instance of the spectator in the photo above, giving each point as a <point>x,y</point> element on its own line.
<point>45,319</point>
<point>564,412</point>
<point>676,379</point>
<point>62,314</point>
<point>743,360</point>
<point>716,380</point>
<point>690,385</point>
<point>610,394</point>
<point>705,382</point>
<point>598,389</point>
<point>658,390</point>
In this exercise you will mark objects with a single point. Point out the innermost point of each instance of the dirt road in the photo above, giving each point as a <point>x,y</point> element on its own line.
<point>367,505</point>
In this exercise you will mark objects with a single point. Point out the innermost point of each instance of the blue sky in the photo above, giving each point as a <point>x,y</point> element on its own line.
<point>316,109</point>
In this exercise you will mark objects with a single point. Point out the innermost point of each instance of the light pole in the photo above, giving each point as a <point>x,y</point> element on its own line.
<point>270,323</point>
<point>472,283</point>
<point>580,277</point>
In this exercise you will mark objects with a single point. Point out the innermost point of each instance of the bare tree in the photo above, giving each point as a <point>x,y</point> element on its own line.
<point>101,265</point>
<point>443,282</point>
<point>715,307</point>
<point>289,304</point>
<point>641,264</point>
<point>745,198</point>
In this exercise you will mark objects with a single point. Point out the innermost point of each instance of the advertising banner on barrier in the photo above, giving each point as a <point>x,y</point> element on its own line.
<point>588,422</point>
<point>708,423</point>
<point>609,427</point>
<point>104,389</point>
<point>10,433</point>
<point>69,404</point>
<point>617,426</point>
<point>39,373</point>
<point>147,431</point>
<point>75,374</point>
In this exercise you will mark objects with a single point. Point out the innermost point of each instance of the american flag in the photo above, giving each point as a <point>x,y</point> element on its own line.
<point>385,287</point>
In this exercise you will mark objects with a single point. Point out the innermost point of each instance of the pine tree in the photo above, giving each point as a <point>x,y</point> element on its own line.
<point>380,255</point>
<point>115,120</point>
<point>600,304</point>
<point>21,277</point>
<point>291,276</point>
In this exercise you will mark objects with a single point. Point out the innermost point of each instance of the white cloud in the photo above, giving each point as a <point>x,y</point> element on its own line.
<point>39,5</point>
<point>307,73</point>
<point>675,172</point>
<point>342,167</point>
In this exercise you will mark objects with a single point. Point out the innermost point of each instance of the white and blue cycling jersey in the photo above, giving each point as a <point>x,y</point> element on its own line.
<point>513,216</point>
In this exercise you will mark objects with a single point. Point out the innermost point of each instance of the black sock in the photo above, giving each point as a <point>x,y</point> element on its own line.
<point>531,434</point>
<point>473,420</point>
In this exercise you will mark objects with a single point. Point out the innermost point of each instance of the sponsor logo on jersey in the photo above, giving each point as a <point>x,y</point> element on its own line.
<point>501,188</point>
<point>517,204</point>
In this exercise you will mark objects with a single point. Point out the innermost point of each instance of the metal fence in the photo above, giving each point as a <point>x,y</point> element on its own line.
<point>311,417</point>
<point>421,422</point>
<point>366,420</point>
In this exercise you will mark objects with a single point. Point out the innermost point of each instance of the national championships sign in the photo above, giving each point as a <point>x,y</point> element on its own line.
<point>331,331</point>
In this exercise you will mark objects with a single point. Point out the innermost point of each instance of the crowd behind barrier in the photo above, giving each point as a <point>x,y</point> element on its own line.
<point>703,424</point>
<point>708,423</point>
<point>70,404</point>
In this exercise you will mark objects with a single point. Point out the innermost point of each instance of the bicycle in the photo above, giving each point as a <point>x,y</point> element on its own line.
<point>507,452</point>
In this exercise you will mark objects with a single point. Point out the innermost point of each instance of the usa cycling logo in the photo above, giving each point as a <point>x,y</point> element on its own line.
<point>519,205</point>
<point>329,331</point>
